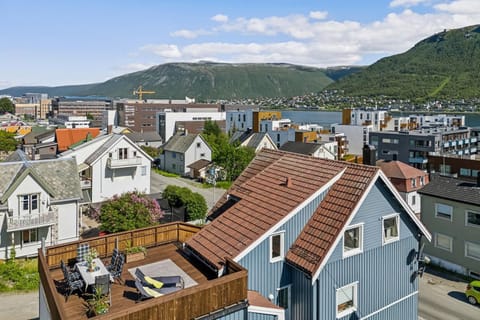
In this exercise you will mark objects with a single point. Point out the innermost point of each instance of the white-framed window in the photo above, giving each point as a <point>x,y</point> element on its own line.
<point>443,211</point>
<point>144,170</point>
<point>198,145</point>
<point>29,202</point>
<point>347,299</point>
<point>277,246</point>
<point>353,240</point>
<point>391,228</point>
<point>472,250</point>
<point>29,236</point>
<point>122,153</point>
<point>414,182</point>
<point>443,242</point>
<point>414,200</point>
<point>472,218</point>
<point>422,181</point>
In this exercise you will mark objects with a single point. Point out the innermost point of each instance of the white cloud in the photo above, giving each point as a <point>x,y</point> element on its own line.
<point>190,34</point>
<point>220,18</point>
<point>407,3</point>
<point>460,7</point>
<point>319,15</point>
<point>167,51</point>
<point>132,67</point>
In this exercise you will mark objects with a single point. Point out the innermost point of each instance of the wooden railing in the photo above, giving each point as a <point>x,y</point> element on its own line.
<point>203,299</point>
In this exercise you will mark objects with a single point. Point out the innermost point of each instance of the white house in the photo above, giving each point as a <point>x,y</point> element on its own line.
<point>38,200</point>
<point>182,150</point>
<point>323,150</point>
<point>255,140</point>
<point>109,165</point>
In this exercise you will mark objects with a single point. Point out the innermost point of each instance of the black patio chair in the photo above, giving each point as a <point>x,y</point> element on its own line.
<point>71,283</point>
<point>117,269</point>
<point>82,251</point>
<point>75,275</point>
<point>113,261</point>
<point>103,286</point>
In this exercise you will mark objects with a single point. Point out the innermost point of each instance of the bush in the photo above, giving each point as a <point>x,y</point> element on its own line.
<point>19,275</point>
<point>194,202</point>
<point>131,210</point>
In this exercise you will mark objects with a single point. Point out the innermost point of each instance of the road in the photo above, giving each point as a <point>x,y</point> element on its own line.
<point>158,183</point>
<point>444,299</point>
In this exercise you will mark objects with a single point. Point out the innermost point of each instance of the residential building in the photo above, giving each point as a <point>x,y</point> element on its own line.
<point>40,143</point>
<point>377,119</point>
<point>109,165</point>
<point>239,120</point>
<point>68,121</point>
<point>465,167</point>
<point>39,201</point>
<point>324,150</point>
<point>340,139</point>
<point>148,139</point>
<point>407,180</point>
<point>255,140</point>
<point>196,126</point>
<point>451,211</point>
<point>67,138</point>
<point>182,150</point>
<point>412,147</point>
<point>258,116</point>
<point>317,237</point>
<point>357,136</point>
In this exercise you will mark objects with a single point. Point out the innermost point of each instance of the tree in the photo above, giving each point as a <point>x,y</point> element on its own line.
<point>194,202</point>
<point>131,210</point>
<point>151,151</point>
<point>6,106</point>
<point>7,141</point>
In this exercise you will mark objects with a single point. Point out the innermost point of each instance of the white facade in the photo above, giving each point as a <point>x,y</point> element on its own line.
<point>178,160</point>
<point>111,165</point>
<point>328,150</point>
<point>367,117</point>
<point>166,120</point>
<point>357,136</point>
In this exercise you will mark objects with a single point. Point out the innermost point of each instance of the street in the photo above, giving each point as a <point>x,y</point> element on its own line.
<point>158,183</point>
<point>444,299</point>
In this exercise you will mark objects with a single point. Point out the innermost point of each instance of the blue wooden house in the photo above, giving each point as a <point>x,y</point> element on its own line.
<point>321,239</point>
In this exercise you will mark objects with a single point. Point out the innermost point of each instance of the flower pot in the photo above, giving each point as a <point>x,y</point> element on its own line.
<point>135,256</point>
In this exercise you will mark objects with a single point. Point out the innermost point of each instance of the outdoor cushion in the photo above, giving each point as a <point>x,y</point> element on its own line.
<point>157,284</point>
<point>152,292</point>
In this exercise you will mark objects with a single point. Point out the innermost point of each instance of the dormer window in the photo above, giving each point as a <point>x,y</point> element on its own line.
<point>122,153</point>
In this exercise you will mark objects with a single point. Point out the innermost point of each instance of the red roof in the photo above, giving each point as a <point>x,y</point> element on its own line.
<point>68,137</point>
<point>398,169</point>
<point>265,199</point>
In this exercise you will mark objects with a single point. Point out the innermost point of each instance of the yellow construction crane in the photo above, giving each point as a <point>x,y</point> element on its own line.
<point>139,92</point>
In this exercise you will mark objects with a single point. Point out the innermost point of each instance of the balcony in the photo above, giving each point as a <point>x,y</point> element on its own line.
<point>124,163</point>
<point>31,221</point>
<point>210,294</point>
<point>417,160</point>
<point>473,140</point>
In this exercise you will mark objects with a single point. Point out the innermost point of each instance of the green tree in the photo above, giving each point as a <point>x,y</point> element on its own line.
<point>151,151</point>
<point>131,210</point>
<point>6,106</point>
<point>194,203</point>
<point>7,141</point>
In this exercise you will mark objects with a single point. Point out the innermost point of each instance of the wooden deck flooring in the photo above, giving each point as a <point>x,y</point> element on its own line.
<point>124,296</point>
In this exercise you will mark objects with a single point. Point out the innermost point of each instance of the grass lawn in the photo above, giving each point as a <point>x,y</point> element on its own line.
<point>19,275</point>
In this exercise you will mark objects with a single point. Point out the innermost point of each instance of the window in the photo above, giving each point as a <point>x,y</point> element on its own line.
<point>28,202</point>
<point>29,235</point>
<point>390,229</point>
<point>283,297</point>
<point>25,202</point>
<point>414,200</point>
<point>414,182</point>
<point>352,240</point>
<point>174,155</point>
<point>109,154</point>
<point>465,172</point>
<point>472,250</point>
<point>144,170</point>
<point>276,247</point>
<point>174,166</point>
<point>198,145</point>
<point>346,300</point>
<point>135,153</point>
<point>443,211</point>
<point>122,153</point>
<point>473,218</point>
<point>443,242</point>
<point>202,155</point>
<point>422,181</point>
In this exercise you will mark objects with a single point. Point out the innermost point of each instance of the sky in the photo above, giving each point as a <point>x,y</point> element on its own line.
<point>56,43</point>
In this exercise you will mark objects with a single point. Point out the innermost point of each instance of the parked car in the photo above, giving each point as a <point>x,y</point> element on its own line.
<point>473,292</point>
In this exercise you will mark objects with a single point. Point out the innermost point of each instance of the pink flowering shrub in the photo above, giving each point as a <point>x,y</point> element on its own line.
<point>131,210</point>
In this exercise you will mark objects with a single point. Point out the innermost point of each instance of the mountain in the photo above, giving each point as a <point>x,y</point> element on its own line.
<point>206,80</point>
<point>445,65</point>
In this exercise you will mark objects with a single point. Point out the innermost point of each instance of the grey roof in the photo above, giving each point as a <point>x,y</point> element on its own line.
<point>97,153</point>
<point>300,147</point>
<point>17,155</point>
<point>241,136</point>
<point>179,143</point>
<point>452,189</point>
<point>145,136</point>
<point>199,164</point>
<point>57,175</point>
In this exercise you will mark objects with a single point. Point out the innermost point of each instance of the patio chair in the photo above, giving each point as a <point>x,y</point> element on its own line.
<point>117,269</point>
<point>75,275</point>
<point>146,292</point>
<point>113,261</point>
<point>102,286</point>
<point>82,251</point>
<point>166,281</point>
<point>71,281</point>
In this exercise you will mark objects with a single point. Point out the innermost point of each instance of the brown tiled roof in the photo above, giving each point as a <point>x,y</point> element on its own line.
<point>398,169</point>
<point>319,234</point>
<point>257,300</point>
<point>264,199</point>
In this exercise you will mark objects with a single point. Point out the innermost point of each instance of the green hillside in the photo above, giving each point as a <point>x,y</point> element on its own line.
<point>204,81</point>
<point>445,65</point>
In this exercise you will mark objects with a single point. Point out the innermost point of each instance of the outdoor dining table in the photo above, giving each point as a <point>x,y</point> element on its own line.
<point>89,276</point>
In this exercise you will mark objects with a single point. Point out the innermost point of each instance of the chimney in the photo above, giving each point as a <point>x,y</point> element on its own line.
<point>288,182</point>
<point>109,129</point>
<point>369,157</point>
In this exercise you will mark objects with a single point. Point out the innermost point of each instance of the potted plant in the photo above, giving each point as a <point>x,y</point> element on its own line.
<point>91,256</point>
<point>97,304</point>
<point>135,253</point>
